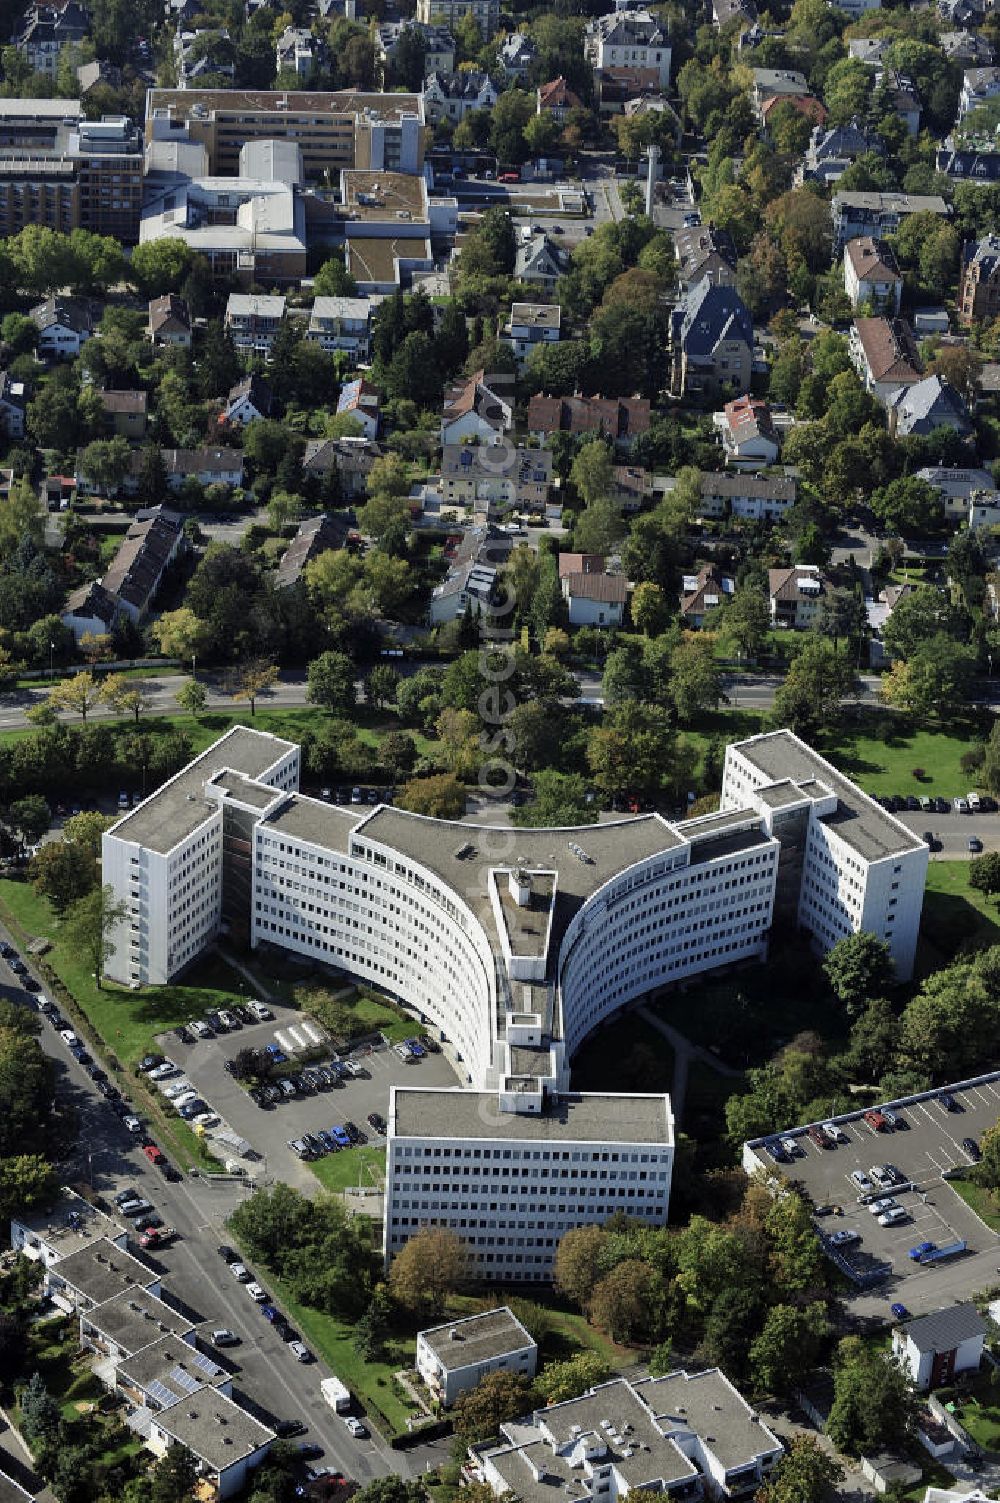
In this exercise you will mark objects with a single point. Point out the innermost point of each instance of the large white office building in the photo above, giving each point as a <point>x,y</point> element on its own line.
<point>514,945</point>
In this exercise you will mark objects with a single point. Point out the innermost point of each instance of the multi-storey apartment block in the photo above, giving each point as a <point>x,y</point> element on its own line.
<point>380,132</point>
<point>514,945</point>
<point>62,171</point>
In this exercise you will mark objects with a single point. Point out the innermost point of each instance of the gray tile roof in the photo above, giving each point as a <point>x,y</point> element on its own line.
<point>711,314</point>
<point>946,1329</point>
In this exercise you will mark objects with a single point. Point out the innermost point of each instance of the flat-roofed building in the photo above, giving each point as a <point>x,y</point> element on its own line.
<point>456,1356</point>
<point>96,1273</point>
<point>381,132</point>
<point>167,1373</point>
<point>72,1224</point>
<point>62,171</point>
<point>128,1322</point>
<point>225,1440</point>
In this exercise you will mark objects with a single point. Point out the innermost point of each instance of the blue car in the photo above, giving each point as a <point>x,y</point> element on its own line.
<point>271,1313</point>
<point>916,1253</point>
<point>278,1055</point>
<point>340,1137</point>
<point>900,1311</point>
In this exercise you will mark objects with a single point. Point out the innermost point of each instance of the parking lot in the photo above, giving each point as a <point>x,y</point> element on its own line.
<point>926,1144</point>
<point>269,1129</point>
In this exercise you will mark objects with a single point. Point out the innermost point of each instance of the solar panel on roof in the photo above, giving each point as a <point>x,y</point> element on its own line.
<point>184,1380</point>
<point>161,1394</point>
<point>206,1364</point>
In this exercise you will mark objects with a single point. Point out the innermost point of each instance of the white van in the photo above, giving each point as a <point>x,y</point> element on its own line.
<point>896,1214</point>
<point>974,802</point>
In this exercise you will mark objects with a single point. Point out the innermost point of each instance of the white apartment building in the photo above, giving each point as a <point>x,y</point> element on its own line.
<point>342,323</point>
<point>457,1356</point>
<point>513,945</point>
<point>860,867</point>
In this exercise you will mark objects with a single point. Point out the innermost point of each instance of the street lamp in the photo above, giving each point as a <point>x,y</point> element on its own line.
<point>52,648</point>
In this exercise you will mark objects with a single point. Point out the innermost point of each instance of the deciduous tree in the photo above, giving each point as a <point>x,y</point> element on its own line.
<point>858,968</point>
<point>90,924</point>
<point>429,1267</point>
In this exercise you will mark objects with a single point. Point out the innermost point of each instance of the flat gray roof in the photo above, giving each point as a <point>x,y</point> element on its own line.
<point>455,1113</point>
<point>859,821</point>
<point>215,1428</point>
<point>312,819</point>
<point>607,850</point>
<point>71,1224</point>
<point>462,1343</point>
<point>606,1411</point>
<point>708,1404</point>
<point>535,1473</point>
<point>527,927</point>
<point>174,1365</point>
<point>177,809</point>
<point>246,791</point>
<point>101,1270</point>
<point>137,1319</point>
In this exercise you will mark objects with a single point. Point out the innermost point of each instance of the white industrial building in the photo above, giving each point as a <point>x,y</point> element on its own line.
<point>514,946</point>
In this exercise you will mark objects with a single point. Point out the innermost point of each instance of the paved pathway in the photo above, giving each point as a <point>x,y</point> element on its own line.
<point>684,1053</point>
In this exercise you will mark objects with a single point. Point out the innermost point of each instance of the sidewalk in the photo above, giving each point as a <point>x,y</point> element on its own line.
<point>684,1053</point>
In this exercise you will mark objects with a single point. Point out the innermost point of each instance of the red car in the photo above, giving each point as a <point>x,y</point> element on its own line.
<point>154,1155</point>
<point>875,1119</point>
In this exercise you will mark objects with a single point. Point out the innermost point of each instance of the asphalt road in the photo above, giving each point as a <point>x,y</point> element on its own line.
<point>268,1378</point>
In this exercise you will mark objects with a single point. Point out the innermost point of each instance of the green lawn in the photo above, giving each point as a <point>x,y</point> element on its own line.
<point>978,1409</point>
<point>955,918</point>
<point>345,1170</point>
<point>882,759</point>
<point>984,1202</point>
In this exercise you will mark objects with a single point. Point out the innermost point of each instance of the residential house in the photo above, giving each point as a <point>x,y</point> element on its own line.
<point>485,13</point>
<point>350,458</point>
<point>136,572</point>
<point>529,325</point>
<point>712,341</point>
<point>925,406</point>
<point>455,1357</point>
<point>703,593</point>
<point>342,323</point>
<point>316,535</point>
<point>981,168</point>
<point>725,11</point>
<point>631,487</point>
<point>879,214</point>
<point>166,1373</point>
<point>249,399</point>
<point>360,400</point>
<point>495,479</point>
<point>857,8</point>
<point>934,1349</point>
<point>796,595</point>
<point>978,86</point>
<point>682,1436</point>
<point>451,96</point>
<point>227,1443</point>
<point>595,599</point>
<point>957,486</point>
<point>170,321</point>
<point>704,251</point>
<point>90,611</point>
<point>751,498</point>
<point>297,51</point>
<point>966,47</point>
<point>44,30</point>
<point>539,262</point>
<point>95,1273</point>
<point>64,325</point>
<point>473,569</point>
<point>581,563</point>
<point>618,88</point>
<point>557,99</point>
<point>962,12</point>
<point>748,434</point>
<point>871,51</point>
<point>516,56</point>
<point>622,419</point>
<point>871,275</point>
<point>48,1234</point>
<point>831,151</point>
<point>438,42</point>
<point>878,613</point>
<point>806,105</point>
<point>253,320</point>
<point>126,411</point>
<point>100,72</point>
<point>13,405</point>
<point>202,52</point>
<point>979,281</point>
<point>207,466</point>
<point>125,1324</point>
<point>629,38</point>
<point>931,321</point>
<point>904,100</point>
<point>884,354</point>
<point>473,409</point>
<point>775,83</point>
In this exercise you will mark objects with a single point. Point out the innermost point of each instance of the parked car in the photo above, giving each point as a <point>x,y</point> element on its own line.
<point>879,1207</point>
<point>900,1311</point>
<point>876,1120</point>
<point>948,1101</point>
<point>225,1337</point>
<point>975,845</point>
<point>300,1351</point>
<point>239,1271</point>
<point>972,1149</point>
<point>355,1426</point>
<point>893,1216</point>
<point>377,1122</point>
<point>844,1237</point>
<point>163,1071</point>
<point>229,1253</point>
<point>862,1182</point>
<point>201,1030</point>
<point>416,1048</point>
<point>257,1293</point>
<point>154,1154</point>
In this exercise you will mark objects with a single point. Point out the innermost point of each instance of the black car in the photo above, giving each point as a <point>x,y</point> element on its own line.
<point>243,1013</point>
<point>229,1253</point>
<point>313,1144</point>
<point>286,1429</point>
<point>376,1121</point>
<point>168,1171</point>
<point>6,950</point>
<point>149,1062</point>
<point>913,803</point>
<point>987,805</point>
<point>972,1149</point>
<point>183,1035</point>
<point>941,806</point>
<point>58,1021</point>
<point>30,984</point>
<point>309,1450</point>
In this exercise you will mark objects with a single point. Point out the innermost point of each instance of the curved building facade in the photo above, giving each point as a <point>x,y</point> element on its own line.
<point>513,945</point>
